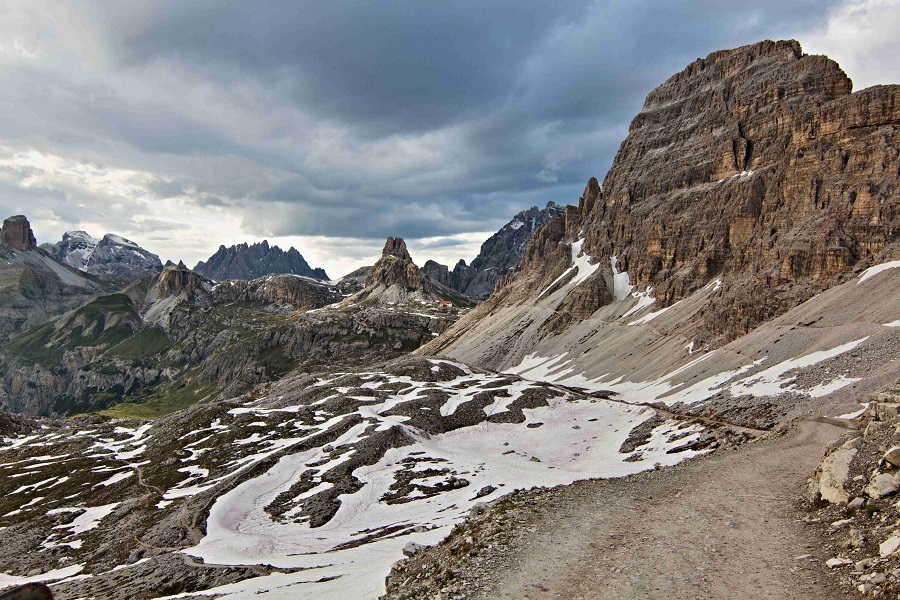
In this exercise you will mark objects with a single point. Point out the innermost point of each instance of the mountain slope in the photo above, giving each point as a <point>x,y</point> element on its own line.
<point>244,261</point>
<point>112,257</point>
<point>33,286</point>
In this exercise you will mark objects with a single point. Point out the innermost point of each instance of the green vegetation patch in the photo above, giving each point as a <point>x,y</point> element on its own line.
<point>146,343</point>
<point>33,346</point>
<point>45,344</point>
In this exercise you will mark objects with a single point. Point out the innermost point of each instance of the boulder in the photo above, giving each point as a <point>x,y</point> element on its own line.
<point>834,473</point>
<point>881,485</point>
<point>892,456</point>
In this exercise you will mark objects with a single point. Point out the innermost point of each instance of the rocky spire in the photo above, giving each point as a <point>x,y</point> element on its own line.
<point>16,233</point>
<point>395,267</point>
<point>396,247</point>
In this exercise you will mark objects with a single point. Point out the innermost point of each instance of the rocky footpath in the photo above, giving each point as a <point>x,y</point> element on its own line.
<point>243,261</point>
<point>853,502</point>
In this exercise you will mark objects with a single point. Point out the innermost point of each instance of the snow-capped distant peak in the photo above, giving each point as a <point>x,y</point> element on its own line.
<point>119,240</point>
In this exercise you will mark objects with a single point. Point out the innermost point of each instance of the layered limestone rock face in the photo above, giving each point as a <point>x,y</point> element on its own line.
<point>177,279</point>
<point>16,233</point>
<point>755,165</point>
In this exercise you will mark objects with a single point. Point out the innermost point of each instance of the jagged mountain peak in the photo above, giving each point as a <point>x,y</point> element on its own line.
<point>396,247</point>
<point>250,261</point>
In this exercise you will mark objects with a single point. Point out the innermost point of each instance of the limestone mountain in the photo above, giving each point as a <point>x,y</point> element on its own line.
<point>243,261</point>
<point>33,286</point>
<point>112,257</point>
<point>755,172</point>
<point>395,278</point>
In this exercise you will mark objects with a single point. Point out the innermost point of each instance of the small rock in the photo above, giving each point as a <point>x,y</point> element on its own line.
<point>889,546</point>
<point>881,485</point>
<point>865,588</point>
<point>834,563</point>
<point>411,548</point>
<point>838,525</point>
<point>865,564</point>
<point>874,578</point>
<point>857,502</point>
<point>854,540</point>
<point>892,456</point>
<point>803,557</point>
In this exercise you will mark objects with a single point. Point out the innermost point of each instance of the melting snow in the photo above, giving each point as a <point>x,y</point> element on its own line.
<point>873,271</point>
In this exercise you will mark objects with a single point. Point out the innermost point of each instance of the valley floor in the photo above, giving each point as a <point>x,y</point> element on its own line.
<point>726,525</point>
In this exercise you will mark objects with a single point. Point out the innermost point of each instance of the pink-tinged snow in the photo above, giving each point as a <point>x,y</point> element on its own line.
<point>873,271</point>
<point>87,520</point>
<point>11,580</point>
<point>771,381</point>
<point>577,439</point>
<point>581,265</point>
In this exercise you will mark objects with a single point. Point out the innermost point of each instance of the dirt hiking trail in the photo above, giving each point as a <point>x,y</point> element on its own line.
<point>722,526</point>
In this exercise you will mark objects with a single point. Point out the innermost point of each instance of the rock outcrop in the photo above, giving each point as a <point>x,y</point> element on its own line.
<point>244,261</point>
<point>16,233</point>
<point>176,280</point>
<point>33,286</point>
<point>395,267</point>
<point>395,278</point>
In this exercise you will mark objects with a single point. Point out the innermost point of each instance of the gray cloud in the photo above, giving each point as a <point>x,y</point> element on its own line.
<point>355,120</point>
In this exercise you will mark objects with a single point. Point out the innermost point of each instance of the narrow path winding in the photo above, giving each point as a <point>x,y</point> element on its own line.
<point>723,526</point>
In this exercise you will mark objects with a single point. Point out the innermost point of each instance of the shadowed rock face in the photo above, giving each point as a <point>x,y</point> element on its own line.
<point>756,165</point>
<point>252,261</point>
<point>16,233</point>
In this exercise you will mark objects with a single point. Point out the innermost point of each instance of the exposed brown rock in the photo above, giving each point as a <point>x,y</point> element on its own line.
<point>16,233</point>
<point>395,267</point>
<point>176,279</point>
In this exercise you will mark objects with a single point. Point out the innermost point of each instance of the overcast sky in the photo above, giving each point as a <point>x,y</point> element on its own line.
<point>331,125</point>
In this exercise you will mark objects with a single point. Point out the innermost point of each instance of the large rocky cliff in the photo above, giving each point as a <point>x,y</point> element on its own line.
<point>755,167</point>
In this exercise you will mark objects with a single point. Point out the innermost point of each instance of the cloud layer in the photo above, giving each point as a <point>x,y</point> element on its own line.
<point>333,125</point>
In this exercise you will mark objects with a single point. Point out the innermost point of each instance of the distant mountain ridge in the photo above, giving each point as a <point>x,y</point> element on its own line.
<point>112,257</point>
<point>243,261</point>
<point>499,255</point>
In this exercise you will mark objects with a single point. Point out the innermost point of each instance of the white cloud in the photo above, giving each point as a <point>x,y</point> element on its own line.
<point>862,36</point>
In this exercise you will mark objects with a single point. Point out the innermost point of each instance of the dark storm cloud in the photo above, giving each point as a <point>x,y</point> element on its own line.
<point>355,119</point>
